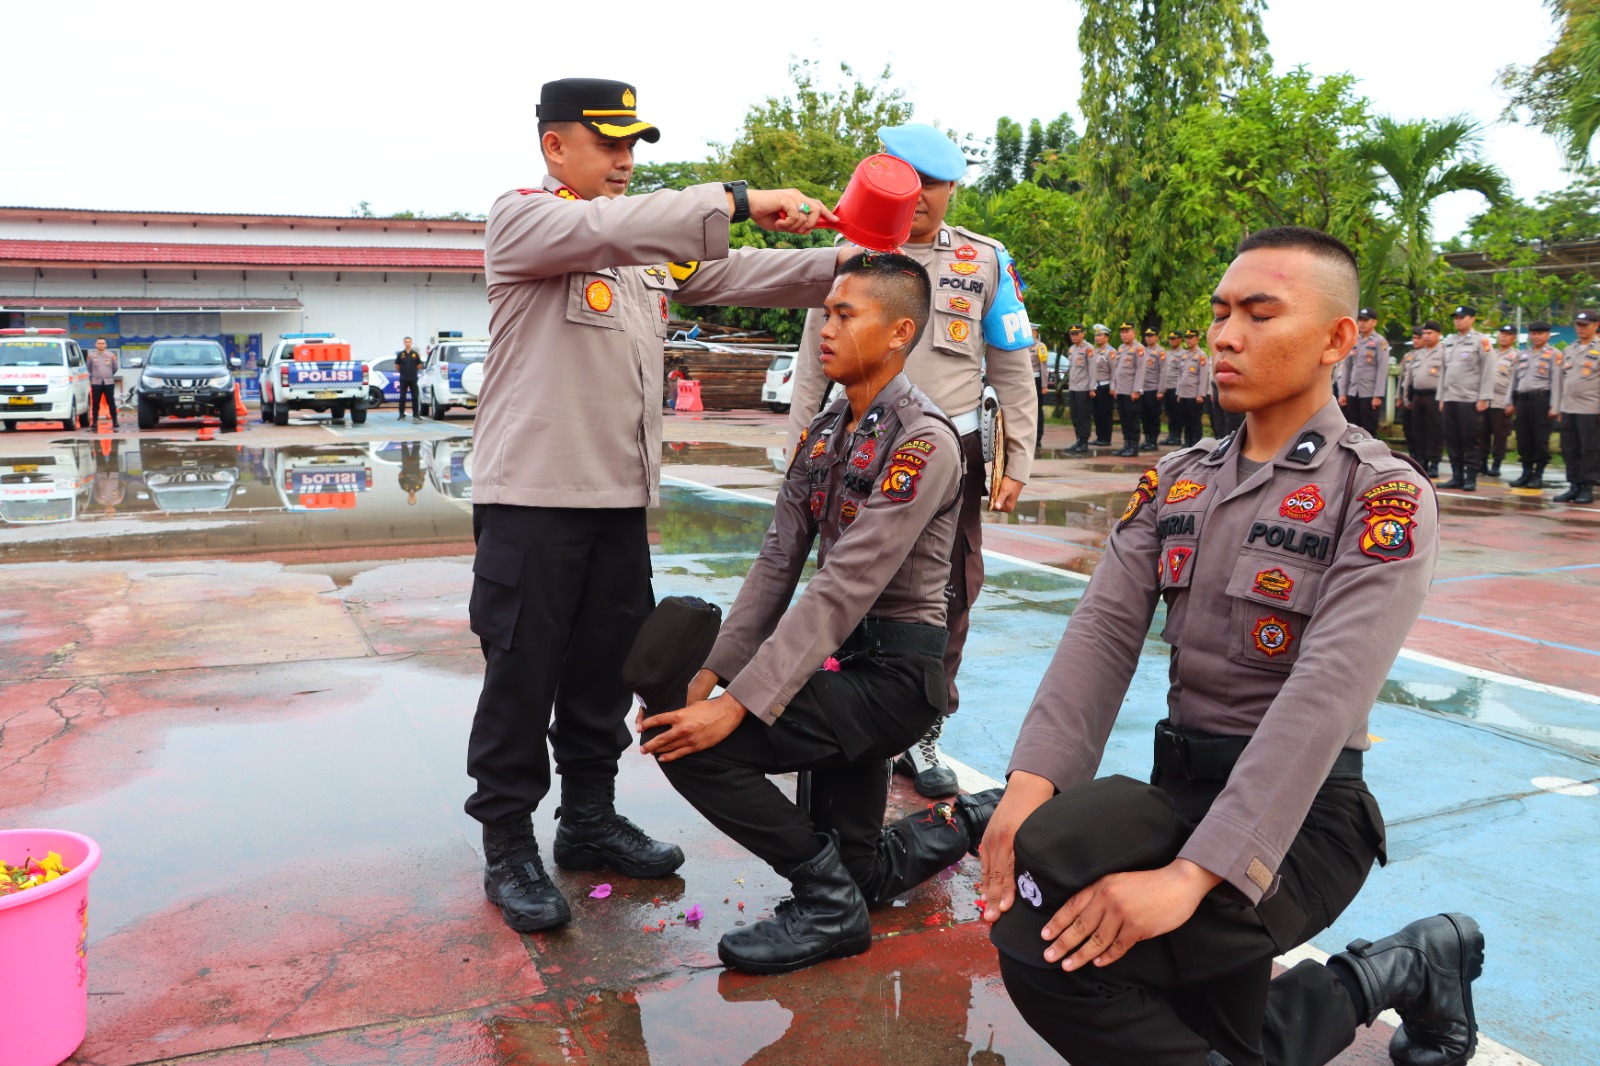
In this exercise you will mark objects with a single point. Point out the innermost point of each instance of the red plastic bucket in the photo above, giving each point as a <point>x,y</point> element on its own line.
<point>44,972</point>
<point>879,203</point>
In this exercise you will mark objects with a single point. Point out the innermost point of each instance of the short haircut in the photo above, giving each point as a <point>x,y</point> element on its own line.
<point>1324,247</point>
<point>899,282</point>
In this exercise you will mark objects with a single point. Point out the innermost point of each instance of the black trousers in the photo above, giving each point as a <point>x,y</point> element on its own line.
<point>1104,405</point>
<point>966,564</point>
<point>1038,434</point>
<point>1404,415</point>
<point>1533,427</point>
<point>416,398</point>
<point>1463,436</point>
<point>1358,411</point>
<point>1150,415</point>
<point>1169,404</point>
<point>841,726</point>
<point>1497,433</point>
<point>1130,415</point>
<point>1207,985</point>
<point>1427,425</point>
<point>1580,448</point>
<point>1189,409</point>
<point>558,594</point>
<point>98,393</point>
<point>1082,404</point>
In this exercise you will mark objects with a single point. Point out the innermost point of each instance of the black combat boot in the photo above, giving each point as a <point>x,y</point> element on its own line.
<point>1433,468</point>
<point>1571,495</point>
<point>1149,446</point>
<point>1537,481</point>
<point>914,848</point>
<point>1127,450</point>
<point>1493,469</point>
<point>826,918</point>
<point>1585,493</point>
<point>1470,482</point>
<point>592,834</point>
<point>1425,973</point>
<point>1078,448</point>
<point>1457,480</point>
<point>514,878</point>
<point>1524,479</point>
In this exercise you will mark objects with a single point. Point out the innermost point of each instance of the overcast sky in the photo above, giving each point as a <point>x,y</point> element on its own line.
<point>309,108</point>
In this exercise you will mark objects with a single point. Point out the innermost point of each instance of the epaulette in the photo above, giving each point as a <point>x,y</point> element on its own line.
<point>993,242</point>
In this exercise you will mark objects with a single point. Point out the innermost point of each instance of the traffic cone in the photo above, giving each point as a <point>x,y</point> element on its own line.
<point>238,402</point>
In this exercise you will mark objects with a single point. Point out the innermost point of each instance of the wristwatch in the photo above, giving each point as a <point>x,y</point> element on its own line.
<point>741,199</point>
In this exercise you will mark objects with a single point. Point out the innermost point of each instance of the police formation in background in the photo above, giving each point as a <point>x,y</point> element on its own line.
<point>1138,923</point>
<point>1575,400</point>
<point>1364,375</point>
<point>979,330</point>
<point>568,457</point>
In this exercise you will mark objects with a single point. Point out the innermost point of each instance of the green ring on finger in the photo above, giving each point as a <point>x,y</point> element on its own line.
<point>805,209</point>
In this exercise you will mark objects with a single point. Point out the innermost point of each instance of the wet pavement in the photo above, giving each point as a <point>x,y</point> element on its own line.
<point>243,666</point>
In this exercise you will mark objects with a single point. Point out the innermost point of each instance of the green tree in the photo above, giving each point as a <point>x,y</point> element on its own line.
<point>1144,63</point>
<point>1418,162</point>
<point>1006,157</point>
<point>1517,238</point>
<point>1561,91</point>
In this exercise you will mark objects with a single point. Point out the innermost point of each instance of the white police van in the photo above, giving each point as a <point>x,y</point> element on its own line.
<point>452,373</point>
<point>43,377</point>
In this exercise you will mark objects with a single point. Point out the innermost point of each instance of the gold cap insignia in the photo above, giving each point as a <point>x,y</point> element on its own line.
<point>627,98</point>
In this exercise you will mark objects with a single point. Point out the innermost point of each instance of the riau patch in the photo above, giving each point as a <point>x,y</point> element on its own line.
<point>1274,583</point>
<point>1143,493</point>
<point>917,444</point>
<point>1177,559</point>
<point>1272,635</point>
<point>960,305</point>
<point>863,456</point>
<point>964,269</point>
<point>1184,490</point>
<point>848,511</point>
<point>905,467</point>
<point>819,447</point>
<point>958,331</point>
<point>966,252</point>
<point>1303,504</point>
<point>597,294</point>
<point>819,499</point>
<point>1391,514</point>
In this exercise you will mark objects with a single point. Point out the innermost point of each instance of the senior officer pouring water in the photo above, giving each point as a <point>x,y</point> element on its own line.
<point>569,451</point>
<point>979,328</point>
<point>1138,923</point>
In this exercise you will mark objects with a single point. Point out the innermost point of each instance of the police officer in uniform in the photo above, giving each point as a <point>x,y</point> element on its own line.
<point>1152,374</point>
<point>567,459</point>
<point>1363,377</point>
<point>979,330</point>
<point>853,672</point>
<point>1104,401</point>
<point>1127,368</point>
<point>1402,398</point>
<point>1497,420</point>
<point>1576,400</point>
<point>1427,421</point>
<point>1537,365</point>
<point>1466,388</point>
<point>1139,923</point>
<point>1080,389</point>
<point>1171,370</point>
<point>1192,381</point>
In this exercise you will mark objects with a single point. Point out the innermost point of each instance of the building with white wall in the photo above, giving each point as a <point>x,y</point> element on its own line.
<point>131,277</point>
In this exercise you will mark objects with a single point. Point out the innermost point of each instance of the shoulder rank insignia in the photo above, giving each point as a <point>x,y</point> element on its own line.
<point>682,272</point>
<point>1306,448</point>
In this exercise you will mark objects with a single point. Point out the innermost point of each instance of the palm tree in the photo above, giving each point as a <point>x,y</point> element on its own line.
<point>1416,163</point>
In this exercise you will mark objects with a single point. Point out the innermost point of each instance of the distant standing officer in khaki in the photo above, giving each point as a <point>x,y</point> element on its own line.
<point>1537,366</point>
<point>102,383</point>
<point>1080,389</point>
<point>568,457</point>
<point>1364,375</point>
<point>979,330</point>
<point>1576,400</point>
<point>1127,365</point>
<point>1466,388</point>
<point>1497,419</point>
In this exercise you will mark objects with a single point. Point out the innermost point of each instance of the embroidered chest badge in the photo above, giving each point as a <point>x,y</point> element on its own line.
<point>960,305</point>
<point>1303,504</point>
<point>819,500</point>
<point>966,252</point>
<point>819,447</point>
<point>1391,513</point>
<point>597,294</point>
<point>848,511</point>
<point>1184,490</point>
<point>1272,635</point>
<point>863,456</point>
<point>958,331</point>
<point>905,468</point>
<point>964,269</point>
<point>1177,560</point>
<point>1274,583</point>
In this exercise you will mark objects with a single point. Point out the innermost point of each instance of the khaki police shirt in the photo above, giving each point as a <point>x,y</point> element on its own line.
<point>1577,386</point>
<point>578,290</point>
<point>954,354</point>
<point>1426,366</point>
<point>884,500</point>
<point>1193,379</point>
<point>1080,368</point>
<point>1467,368</point>
<point>1289,592</point>
<point>102,367</point>
<point>1104,358</point>
<point>1505,375</point>
<point>1536,369</point>
<point>1127,368</point>
<point>1365,369</point>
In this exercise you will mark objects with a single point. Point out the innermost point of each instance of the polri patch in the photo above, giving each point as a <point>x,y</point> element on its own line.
<point>1303,504</point>
<point>597,294</point>
<point>1274,583</point>
<point>1143,493</point>
<point>1184,489</point>
<point>1272,635</point>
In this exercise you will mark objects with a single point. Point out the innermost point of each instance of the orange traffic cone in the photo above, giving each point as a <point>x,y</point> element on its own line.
<point>238,402</point>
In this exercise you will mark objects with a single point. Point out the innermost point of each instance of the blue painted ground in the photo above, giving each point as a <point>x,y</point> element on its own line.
<point>1453,767</point>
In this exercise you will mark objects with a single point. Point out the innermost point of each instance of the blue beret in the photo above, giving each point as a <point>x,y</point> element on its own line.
<point>933,153</point>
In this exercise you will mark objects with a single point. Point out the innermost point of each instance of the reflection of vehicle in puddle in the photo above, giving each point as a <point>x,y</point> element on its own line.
<point>189,478</point>
<point>47,485</point>
<point>450,468</point>
<point>321,477</point>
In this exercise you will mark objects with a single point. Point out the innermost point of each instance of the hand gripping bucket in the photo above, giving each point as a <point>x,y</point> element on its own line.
<point>44,974</point>
<point>879,203</point>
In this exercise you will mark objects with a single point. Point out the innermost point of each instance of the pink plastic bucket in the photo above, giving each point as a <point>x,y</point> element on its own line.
<point>44,974</point>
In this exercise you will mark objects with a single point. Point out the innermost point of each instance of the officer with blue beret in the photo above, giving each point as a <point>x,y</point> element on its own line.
<point>979,330</point>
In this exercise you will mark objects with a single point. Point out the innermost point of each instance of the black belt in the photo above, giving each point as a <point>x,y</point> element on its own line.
<point>879,635</point>
<point>1533,392</point>
<point>1194,756</point>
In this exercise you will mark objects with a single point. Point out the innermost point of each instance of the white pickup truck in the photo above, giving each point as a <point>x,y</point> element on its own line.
<point>312,371</point>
